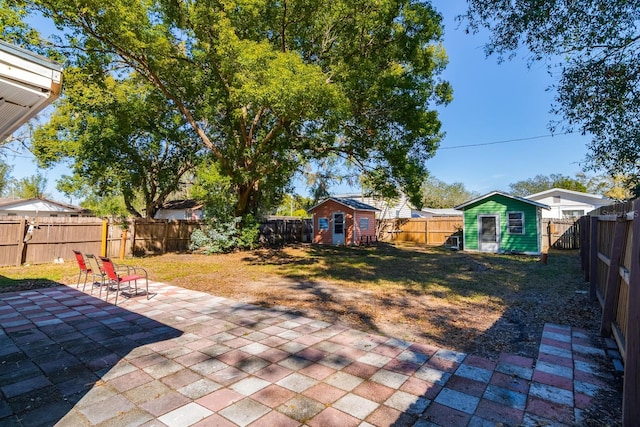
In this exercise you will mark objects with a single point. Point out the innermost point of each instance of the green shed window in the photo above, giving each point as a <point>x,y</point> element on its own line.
<point>516,222</point>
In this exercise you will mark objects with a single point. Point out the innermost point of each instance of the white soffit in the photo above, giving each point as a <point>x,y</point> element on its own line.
<point>28,83</point>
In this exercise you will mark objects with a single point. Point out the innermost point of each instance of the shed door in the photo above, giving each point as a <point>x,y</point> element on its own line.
<point>489,233</point>
<point>338,228</point>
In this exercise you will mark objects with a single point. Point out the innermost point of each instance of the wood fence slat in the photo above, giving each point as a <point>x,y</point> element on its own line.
<point>593,258</point>
<point>20,240</point>
<point>613,279</point>
<point>631,390</point>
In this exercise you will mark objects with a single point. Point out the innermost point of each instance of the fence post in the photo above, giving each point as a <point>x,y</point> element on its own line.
<point>631,391</point>
<point>133,236</point>
<point>426,233</point>
<point>22,233</point>
<point>166,236</point>
<point>123,243</point>
<point>613,278</point>
<point>593,257</point>
<point>584,246</point>
<point>105,235</point>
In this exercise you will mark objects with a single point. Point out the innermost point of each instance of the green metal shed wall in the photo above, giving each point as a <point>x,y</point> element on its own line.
<point>500,205</point>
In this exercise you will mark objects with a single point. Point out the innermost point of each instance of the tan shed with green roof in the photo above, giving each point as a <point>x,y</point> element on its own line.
<point>501,223</point>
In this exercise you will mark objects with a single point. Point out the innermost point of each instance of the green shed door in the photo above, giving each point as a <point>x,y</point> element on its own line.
<point>489,233</point>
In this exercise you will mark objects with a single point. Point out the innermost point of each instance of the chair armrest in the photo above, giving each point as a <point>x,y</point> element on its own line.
<point>122,268</point>
<point>140,271</point>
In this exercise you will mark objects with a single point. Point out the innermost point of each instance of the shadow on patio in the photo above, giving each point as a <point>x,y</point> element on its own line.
<point>56,344</point>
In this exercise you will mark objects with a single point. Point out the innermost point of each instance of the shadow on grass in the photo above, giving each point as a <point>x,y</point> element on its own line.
<point>56,343</point>
<point>446,289</point>
<point>12,285</point>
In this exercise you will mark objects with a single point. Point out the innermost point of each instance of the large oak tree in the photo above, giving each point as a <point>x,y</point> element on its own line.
<point>269,85</point>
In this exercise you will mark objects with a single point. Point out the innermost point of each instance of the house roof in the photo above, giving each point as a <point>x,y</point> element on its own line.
<point>440,212</point>
<point>181,204</point>
<point>562,191</point>
<point>351,203</point>
<point>36,204</point>
<point>28,83</point>
<point>500,193</point>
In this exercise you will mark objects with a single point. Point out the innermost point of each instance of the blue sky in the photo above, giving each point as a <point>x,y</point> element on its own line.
<point>492,102</point>
<point>497,102</point>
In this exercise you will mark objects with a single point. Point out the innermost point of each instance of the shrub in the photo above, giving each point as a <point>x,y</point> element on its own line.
<point>225,235</point>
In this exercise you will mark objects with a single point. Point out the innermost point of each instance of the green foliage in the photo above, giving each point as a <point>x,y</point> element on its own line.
<point>30,187</point>
<point>13,28</point>
<point>268,86</point>
<point>611,187</point>
<point>438,194</point>
<point>225,234</point>
<point>5,177</point>
<point>294,205</point>
<point>542,183</point>
<point>213,189</point>
<point>223,231</point>
<point>596,44</point>
<point>123,138</point>
<point>111,205</point>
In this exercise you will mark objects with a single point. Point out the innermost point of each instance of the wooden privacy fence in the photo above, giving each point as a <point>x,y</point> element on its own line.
<point>53,238</point>
<point>556,233</point>
<point>429,231</point>
<point>50,239</point>
<point>560,234</point>
<point>279,231</point>
<point>610,255</point>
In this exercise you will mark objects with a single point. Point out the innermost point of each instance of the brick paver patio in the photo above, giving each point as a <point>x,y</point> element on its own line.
<point>187,358</point>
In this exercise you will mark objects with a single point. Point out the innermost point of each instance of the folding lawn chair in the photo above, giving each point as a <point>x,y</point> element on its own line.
<point>98,273</point>
<point>116,280</point>
<point>83,269</point>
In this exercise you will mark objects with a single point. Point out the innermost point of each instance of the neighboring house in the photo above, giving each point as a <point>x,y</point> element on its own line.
<point>498,222</point>
<point>399,208</point>
<point>434,213</point>
<point>34,208</point>
<point>180,209</point>
<point>338,221</point>
<point>28,83</point>
<point>568,204</point>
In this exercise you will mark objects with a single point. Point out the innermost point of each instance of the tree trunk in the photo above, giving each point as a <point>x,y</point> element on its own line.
<point>246,199</point>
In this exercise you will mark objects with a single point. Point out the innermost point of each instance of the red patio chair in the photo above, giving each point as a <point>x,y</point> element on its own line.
<point>99,274</point>
<point>83,269</point>
<point>114,279</point>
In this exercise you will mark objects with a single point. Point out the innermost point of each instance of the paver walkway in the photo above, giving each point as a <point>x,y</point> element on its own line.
<point>188,358</point>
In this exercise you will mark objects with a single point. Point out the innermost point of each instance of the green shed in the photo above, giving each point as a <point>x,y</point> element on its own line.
<point>499,222</point>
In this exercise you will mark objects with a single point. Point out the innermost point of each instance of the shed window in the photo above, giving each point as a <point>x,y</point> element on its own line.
<point>364,224</point>
<point>323,223</point>
<point>516,222</point>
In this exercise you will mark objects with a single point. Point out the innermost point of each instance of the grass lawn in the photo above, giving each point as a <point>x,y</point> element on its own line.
<point>479,303</point>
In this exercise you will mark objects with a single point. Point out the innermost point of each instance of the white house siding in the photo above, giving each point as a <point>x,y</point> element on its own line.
<point>181,214</point>
<point>37,208</point>
<point>560,200</point>
<point>563,205</point>
<point>400,209</point>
